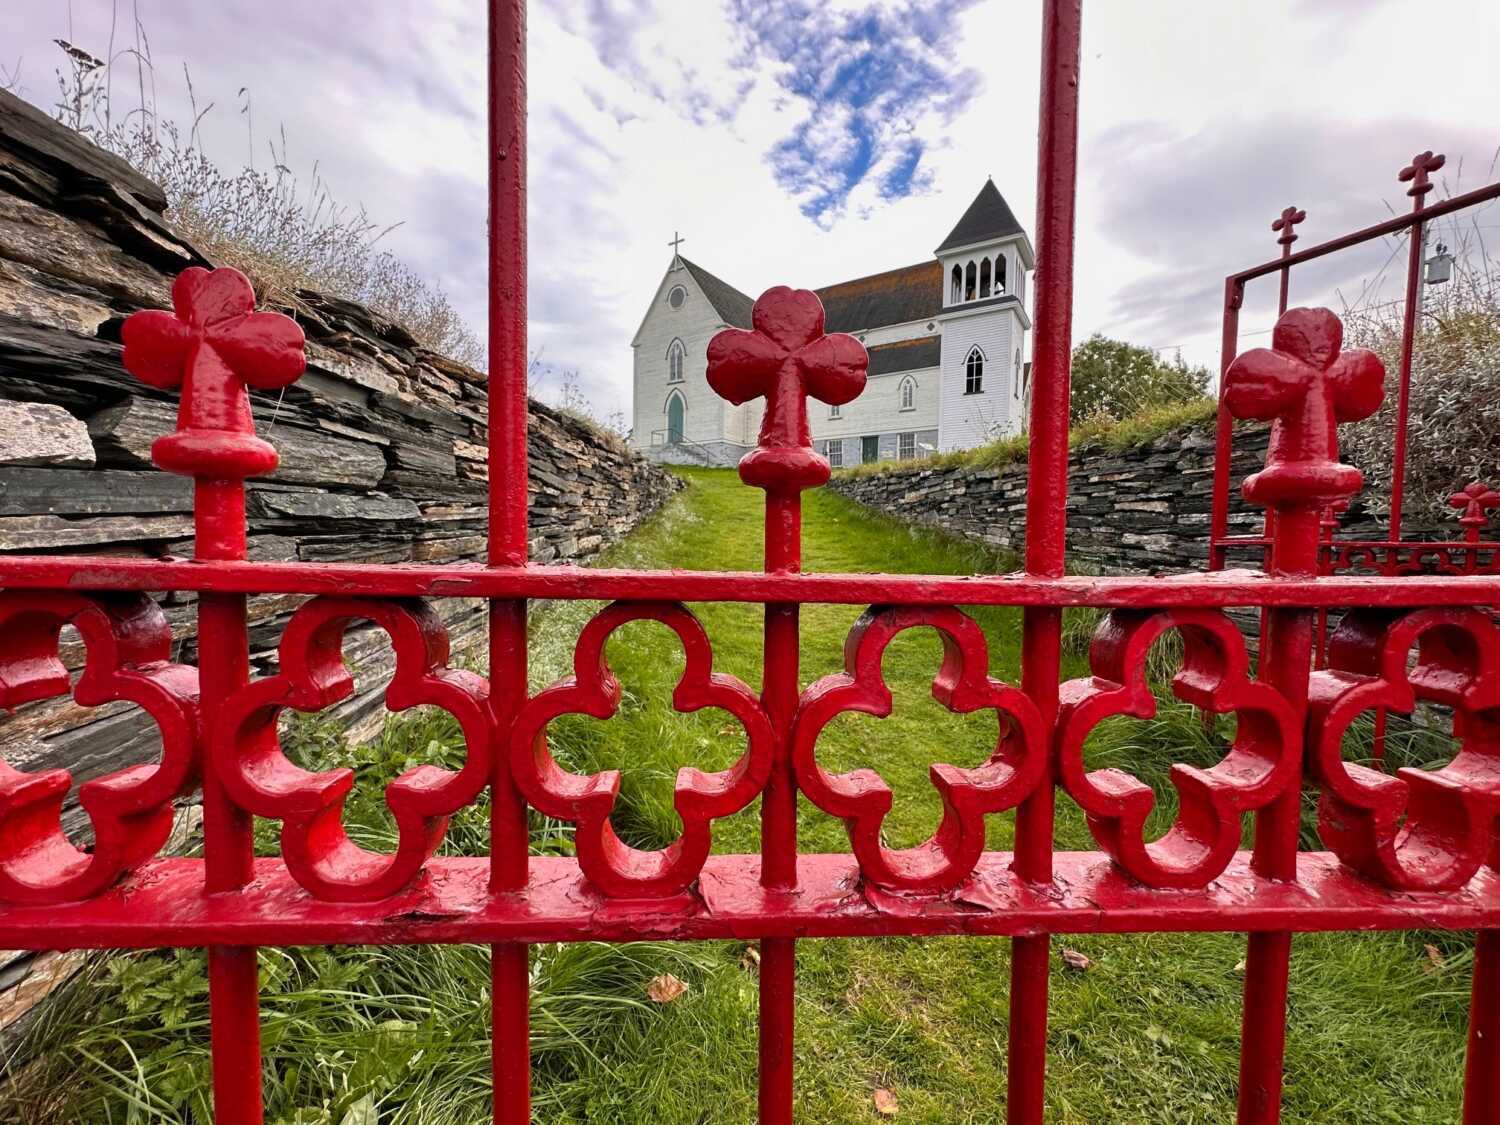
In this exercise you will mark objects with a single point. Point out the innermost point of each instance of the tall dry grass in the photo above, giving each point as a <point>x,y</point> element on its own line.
<point>285,234</point>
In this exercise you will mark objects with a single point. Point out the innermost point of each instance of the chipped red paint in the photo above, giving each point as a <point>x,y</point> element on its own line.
<point>862,799</point>
<point>1215,677</point>
<point>1416,850</point>
<point>700,798</point>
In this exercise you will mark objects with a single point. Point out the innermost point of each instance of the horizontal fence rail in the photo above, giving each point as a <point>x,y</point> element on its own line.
<point>1414,850</point>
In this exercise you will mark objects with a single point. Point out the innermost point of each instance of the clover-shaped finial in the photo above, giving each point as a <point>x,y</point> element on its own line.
<point>1288,219</point>
<point>1475,499</point>
<point>1416,172</point>
<point>1305,386</point>
<point>785,359</point>
<point>213,345</point>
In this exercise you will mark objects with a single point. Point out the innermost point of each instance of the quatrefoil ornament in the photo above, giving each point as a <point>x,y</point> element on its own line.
<point>785,359</point>
<point>611,865</point>
<point>863,799</point>
<point>1215,676</point>
<point>1305,385</point>
<point>260,778</point>
<point>213,345</point>
<point>127,648</point>
<point>1419,829</point>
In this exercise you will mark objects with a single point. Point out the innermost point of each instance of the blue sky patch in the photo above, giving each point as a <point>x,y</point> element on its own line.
<point>868,81</point>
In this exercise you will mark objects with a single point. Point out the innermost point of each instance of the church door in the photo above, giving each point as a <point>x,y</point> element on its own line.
<point>674,420</point>
<point>869,448</point>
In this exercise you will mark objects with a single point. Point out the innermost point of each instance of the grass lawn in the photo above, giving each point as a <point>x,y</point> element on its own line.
<point>1149,1033</point>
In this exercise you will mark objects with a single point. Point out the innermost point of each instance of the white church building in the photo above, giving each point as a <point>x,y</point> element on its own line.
<point>946,340</point>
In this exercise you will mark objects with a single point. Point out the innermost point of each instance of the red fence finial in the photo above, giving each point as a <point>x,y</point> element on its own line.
<point>785,359</point>
<point>1305,386</point>
<point>1416,172</point>
<point>213,345</point>
<point>1475,500</point>
<point>1288,219</point>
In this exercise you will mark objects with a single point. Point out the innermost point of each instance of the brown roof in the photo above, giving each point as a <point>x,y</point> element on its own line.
<point>732,306</point>
<point>893,297</point>
<point>906,355</point>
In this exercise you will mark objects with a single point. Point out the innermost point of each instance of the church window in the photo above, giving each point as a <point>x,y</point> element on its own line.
<point>971,279</point>
<point>1015,374</point>
<point>835,453</point>
<point>677,296</point>
<point>958,285</point>
<point>984,278</point>
<point>908,394</point>
<point>906,446</point>
<point>676,353</point>
<point>835,411</point>
<point>1000,275</point>
<point>974,372</point>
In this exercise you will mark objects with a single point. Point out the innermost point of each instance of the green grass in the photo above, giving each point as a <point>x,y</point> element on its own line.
<point>1150,1033</point>
<point>1114,435</point>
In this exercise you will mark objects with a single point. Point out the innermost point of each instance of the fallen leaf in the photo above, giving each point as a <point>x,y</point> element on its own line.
<point>1239,966</point>
<point>750,962</point>
<point>1076,961</point>
<point>885,1103</point>
<point>1435,958</point>
<point>729,730</point>
<point>665,988</point>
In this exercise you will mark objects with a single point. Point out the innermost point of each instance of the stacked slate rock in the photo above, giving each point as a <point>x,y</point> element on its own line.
<point>1143,510</point>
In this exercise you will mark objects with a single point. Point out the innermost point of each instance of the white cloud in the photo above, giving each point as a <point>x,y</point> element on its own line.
<point>1199,123</point>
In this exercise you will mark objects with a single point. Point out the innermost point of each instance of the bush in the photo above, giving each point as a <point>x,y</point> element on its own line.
<point>282,234</point>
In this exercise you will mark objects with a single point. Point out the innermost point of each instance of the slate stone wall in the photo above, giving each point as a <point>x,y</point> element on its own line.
<point>382,442</point>
<point>1144,510</point>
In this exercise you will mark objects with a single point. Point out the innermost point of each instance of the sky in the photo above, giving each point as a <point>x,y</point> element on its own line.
<point>806,142</point>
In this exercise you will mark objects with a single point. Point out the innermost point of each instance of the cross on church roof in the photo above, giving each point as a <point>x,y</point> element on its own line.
<point>677,240</point>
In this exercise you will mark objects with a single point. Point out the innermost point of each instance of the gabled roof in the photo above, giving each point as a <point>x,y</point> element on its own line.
<point>989,217</point>
<point>732,306</point>
<point>905,355</point>
<point>893,297</point>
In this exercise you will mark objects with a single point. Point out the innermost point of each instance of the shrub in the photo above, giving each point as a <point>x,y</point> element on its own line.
<point>282,234</point>
<point>1453,421</point>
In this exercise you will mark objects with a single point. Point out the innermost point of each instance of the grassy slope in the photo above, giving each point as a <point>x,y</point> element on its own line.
<point>1149,1033</point>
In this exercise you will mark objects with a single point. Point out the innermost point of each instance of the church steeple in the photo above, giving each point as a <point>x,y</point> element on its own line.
<point>988,219</point>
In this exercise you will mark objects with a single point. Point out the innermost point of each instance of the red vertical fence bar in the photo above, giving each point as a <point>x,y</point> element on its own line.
<point>1417,173</point>
<point>1234,297</point>
<point>508,532</point>
<point>1046,522</point>
<point>223,666</point>
<point>779,690</point>
<point>1482,1073</point>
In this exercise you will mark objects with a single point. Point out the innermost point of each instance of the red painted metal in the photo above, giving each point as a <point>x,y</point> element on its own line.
<point>1215,677</point>
<point>1416,850</point>
<point>1285,224</point>
<point>862,798</point>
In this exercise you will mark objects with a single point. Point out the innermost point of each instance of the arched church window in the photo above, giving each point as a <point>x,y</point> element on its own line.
<point>984,278</point>
<point>974,372</point>
<point>971,281</point>
<point>1000,275</point>
<point>908,394</point>
<point>676,409</point>
<point>676,353</point>
<point>958,285</point>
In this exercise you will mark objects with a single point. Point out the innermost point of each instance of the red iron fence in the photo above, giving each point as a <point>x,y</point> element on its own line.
<point>1416,850</point>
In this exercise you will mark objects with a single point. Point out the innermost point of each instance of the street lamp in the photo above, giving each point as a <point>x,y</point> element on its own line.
<point>1440,266</point>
